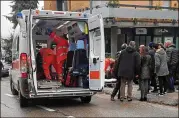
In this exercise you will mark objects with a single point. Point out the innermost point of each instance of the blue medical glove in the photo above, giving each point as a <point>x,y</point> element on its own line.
<point>49,31</point>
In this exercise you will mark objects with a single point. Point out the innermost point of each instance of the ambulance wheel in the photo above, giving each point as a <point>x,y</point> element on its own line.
<point>23,101</point>
<point>13,90</point>
<point>86,99</point>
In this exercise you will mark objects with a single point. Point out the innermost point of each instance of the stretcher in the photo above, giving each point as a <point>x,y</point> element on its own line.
<point>110,82</point>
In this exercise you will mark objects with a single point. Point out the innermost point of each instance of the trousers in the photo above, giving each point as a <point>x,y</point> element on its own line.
<point>129,82</point>
<point>153,81</point>
<point>162,84</point>
<point>144,87</point>
<point>116,89</point>
<point>47,62</point>
<point>59,67</point>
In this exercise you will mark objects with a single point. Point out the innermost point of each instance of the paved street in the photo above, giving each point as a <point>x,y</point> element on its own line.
<point>100,106</point>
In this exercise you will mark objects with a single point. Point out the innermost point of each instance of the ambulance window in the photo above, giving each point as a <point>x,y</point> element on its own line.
<point>97,42</point>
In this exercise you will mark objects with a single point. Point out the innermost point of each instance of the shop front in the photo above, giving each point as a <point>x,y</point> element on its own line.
<point>163,35</point>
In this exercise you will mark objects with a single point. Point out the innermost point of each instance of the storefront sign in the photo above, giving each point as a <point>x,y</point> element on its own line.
<point>141,31</point>
<point>162,30</point>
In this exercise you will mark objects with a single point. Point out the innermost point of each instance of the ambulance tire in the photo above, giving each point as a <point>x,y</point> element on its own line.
<point>13,90</point>
<point>86,99</point>
<point>22,100</point>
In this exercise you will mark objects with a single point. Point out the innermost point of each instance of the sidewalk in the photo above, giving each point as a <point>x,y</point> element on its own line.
<point>168,99</point>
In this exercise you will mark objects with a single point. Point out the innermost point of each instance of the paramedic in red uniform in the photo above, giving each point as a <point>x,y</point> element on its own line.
<point>48,58</point>
<point>61,51</point>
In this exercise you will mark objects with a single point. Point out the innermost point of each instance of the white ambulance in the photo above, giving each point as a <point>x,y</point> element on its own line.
<point>30,34</point>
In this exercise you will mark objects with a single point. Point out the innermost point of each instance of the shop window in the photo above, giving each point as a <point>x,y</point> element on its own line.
<point>60,5</point>
<point>107,35</point>
<point>142,40</point>
<point>148,40</point>
<point>137,41</point>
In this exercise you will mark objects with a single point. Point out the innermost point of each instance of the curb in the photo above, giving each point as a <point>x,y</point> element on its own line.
<point>150,100</point>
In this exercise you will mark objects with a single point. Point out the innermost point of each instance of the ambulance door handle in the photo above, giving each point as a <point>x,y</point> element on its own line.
<point>94,60</point>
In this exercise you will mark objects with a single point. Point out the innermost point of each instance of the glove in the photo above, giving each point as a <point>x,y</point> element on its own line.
<point>49,31</point>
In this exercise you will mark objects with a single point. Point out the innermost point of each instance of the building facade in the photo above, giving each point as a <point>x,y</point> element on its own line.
<point>116,35</point>
<point>72,5</point>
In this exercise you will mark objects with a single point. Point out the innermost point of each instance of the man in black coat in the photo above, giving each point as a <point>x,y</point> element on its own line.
<point>172,60</point>
<point>118,83</point>
<point>129,68</point>
<point>153,75</point>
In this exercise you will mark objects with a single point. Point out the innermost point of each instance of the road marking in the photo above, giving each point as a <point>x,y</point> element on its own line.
<point>45,108</point>
<point>10,95</point>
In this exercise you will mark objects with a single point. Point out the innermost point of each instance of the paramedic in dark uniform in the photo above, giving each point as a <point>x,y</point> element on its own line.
<point>48,58</point>
<point>61,51</point>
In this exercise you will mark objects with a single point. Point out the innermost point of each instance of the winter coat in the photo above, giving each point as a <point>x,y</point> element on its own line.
<point>172,56</point>
<point>116,65</point>
<point>129,63</point>
<point>161,67</point>
<point>152,54</point>
<point>146,63</point>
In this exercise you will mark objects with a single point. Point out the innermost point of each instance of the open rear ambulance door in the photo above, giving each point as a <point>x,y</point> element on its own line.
<point>97,53</point>
<point>31,52</point>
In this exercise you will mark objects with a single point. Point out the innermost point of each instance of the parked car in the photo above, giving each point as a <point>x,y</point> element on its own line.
<point>5,70</point>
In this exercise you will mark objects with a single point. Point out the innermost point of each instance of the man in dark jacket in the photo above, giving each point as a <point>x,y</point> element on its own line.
<point>129,68</point>
<point>172,60</point>
<point>118,83</point>
<point>153,76</point>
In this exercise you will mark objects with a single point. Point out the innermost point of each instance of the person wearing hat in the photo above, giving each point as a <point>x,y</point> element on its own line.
<point>153,76</point>
<point>161,68</point>
<point>172,60</point>
<point>62,46</point>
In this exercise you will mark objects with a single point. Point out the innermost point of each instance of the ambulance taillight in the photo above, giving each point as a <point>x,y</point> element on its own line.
<point>23,65</point>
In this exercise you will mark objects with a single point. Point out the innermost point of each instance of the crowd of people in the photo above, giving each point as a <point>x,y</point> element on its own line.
<point>148,64</point>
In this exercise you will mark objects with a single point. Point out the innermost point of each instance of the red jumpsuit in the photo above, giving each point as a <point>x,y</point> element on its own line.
<point>48,58</point>
<point>61,53</point>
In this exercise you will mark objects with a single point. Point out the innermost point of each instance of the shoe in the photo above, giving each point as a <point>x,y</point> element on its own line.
<point>129,99</point>
<point>165,93</point>
<point>121,99</point>
<point>145,98</point>
<point>160,94</point>
<point>141,99</point>
<point>154,91</point>
<point>112,98</point>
